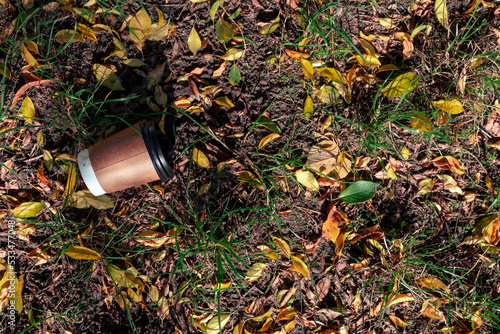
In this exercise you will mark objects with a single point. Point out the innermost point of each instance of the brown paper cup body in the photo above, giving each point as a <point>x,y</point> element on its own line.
<point>122,161</point>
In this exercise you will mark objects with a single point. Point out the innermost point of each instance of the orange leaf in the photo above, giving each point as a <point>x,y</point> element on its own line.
<point>331,227</point>
<point>432,282</point>
<point>449,162</point>
<point>299,266</point>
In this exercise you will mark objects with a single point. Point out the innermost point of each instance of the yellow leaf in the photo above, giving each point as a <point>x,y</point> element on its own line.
<point>370,50</point>
<point>82,253</point>
<point>405,153</point>
<point>18,299</point>
<point>267,139</point>
<point>326,123</point>
<point>71,182</point>
<point>224,101</point>
<point>331,73</point>
<point>432,282</point>
<point>296,54</point>
<point>450,184</point>
<point>232,54</point>
<point>124,278</point>
<point>107,75</point>
<point>84,199</point>
<point>267,252</point>
<point>430,308</point>
<point>299,266</point>
<point>67,35</point>
<point>451,107</point>
<point>400,86</point>
<point>254,272</point>
<point>283,245</point>
<point>151,238</point>
<point>328,95</point>
<point>264,316</point>
<point>29,57</point>
<point>27,210</point>
<point>307,68</point>
<point>28,109</point>
<point>368,60</point>
<point>200,158</point>
<point>397,321</point>
<point>194,41</point>
<point>307,179</point>
<point>442,13</point>
<point>386,23</point>
<point>140,28</point>
<point>270,27</point>
<point>475,62</point>
<point>421,122</point>
<point>401,298</point>
<point>308,107</point>
<point>287,314</point>
<point>222,285</point>
<point>388,67</point>
<point>217,323</point>
<point>86,32</point>
<point>182,102</point>
<point>6,72</point>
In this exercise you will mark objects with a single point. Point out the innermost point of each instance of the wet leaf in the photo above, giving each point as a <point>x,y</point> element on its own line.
<point>223,30</point>
<point>451,107</point>
<point>107,76</point>
<point>432,282</point>
<point>307,68</point>
<point>401,298</point>
<point>82,253</point>
<point>224,101</point>
<point>308,107</point>
<point>232,54</point>
<point>307,179</point>
<point>27,210</point>
<point>28,109</point>
<point>84,199</point>
<point>449,162</point>
<point>283,245</point>
<point>267,139</point>
<point>400,86</point>
<point>359,191</point>
<point>67,35</point>
<point>200,158</point>
<point>421,122</point>
<point>299,266</point>
<point>442,13</point>
<point>194,41</point>
<point>234,75</point>
<point>140,28</point>
<point>254,272</point>
<point>331,74</point>
<point>397,321</point>
<point>270,27</point>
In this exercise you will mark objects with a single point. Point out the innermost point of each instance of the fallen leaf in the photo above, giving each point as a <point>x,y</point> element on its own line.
<point>84,199</point>
<point>360,265</point>
<point>107,75</point>
<point>449,162</point>
<point>400,86</point>
<point>307,68</point>
<point>82,253</point>
<point>254,273</point>
<point>425,185</point>
<point>405,153</point>
<point>151,238</point>
<point>307,179</point>
<point>451,107</point>
<point>224,101</point>
<point>368,60</point>
<point>419,121</point>
<point>267,139</point>
<point>217,323</point>
<point>68,36</point>
<point>234,75</point>
<point>359,191</point>
<point>194,41</point>
<point>283,247</point>
<point>232,54</point>
<point>430,308</point>
<point>270,27</point>
<point>28,109</point>
<point>299,266</point>
<point>140,28</point>
<point>401,298</point>
<point>223,30</point>
<point>442,13</point>
<point>331,227</point>
<point>397,321</point>
<point>331,73</point>
<point>200,158</point>
<point>27,210</point>
<point>308,107</point>
<point>71,182</point>
<point>432,282</point>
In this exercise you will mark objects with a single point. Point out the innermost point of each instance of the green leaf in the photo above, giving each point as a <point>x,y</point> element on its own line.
<point>214,8</point>
<point>234,75</point>
<point>267,123</point>
<point>359,191</point>
<point>270,27</point>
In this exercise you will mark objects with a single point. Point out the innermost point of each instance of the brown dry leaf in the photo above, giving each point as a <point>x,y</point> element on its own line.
<point>331,227</point>
<point>200,158</point>
<point>84,199</point>
<point>432,282</point>
<point>430,308</point>
<point>323,158</point>
<point>450,163</point>
<point>254,273</point>
<point>39,256</point>
<point>401,298</point>
<point>299,266</point>
<point>140,28</point>
<point>307,179</point>
<point>283,246</point>
<point>360,265</point>
<point>397,321</point>
<point>323,287</point>
<point>151,238</point>
<point>82,253</point>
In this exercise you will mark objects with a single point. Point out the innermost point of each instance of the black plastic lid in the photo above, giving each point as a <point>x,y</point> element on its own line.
<point>159,148</point>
